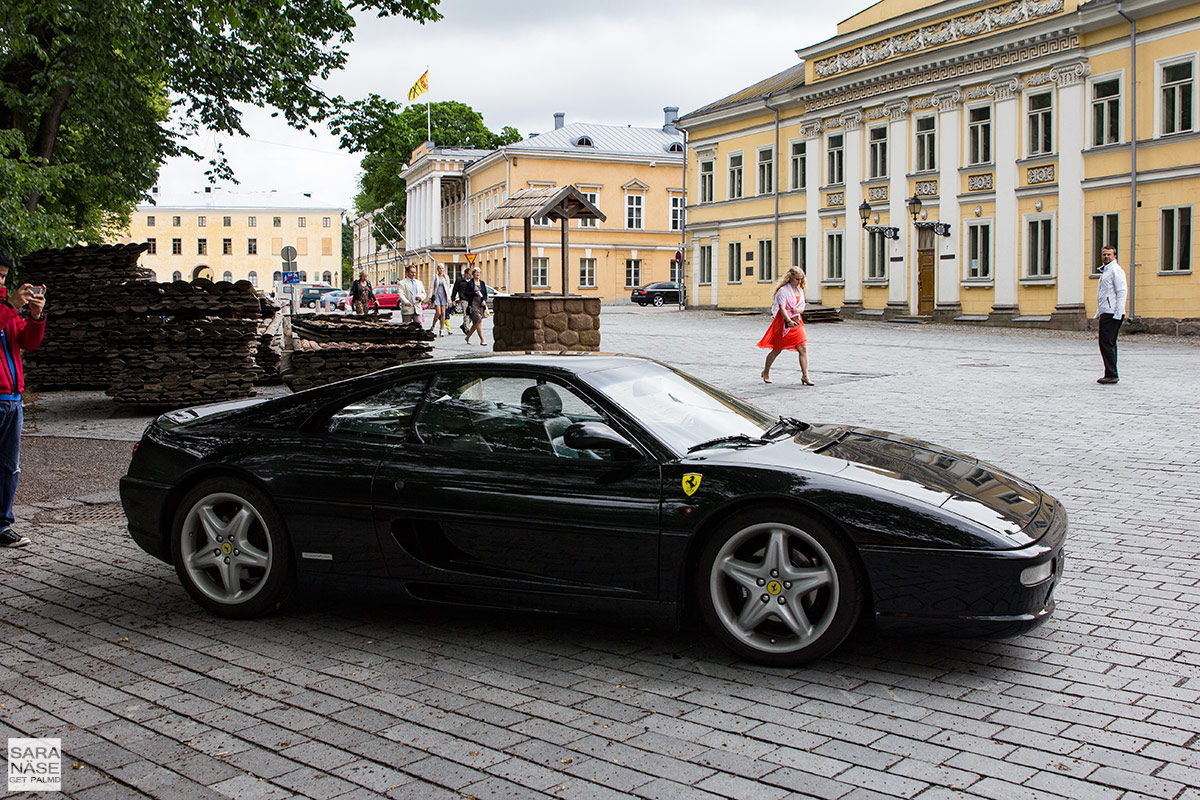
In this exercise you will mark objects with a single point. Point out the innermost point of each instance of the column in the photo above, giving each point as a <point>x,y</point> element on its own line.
<point>435,210</point>
<point>1071,237</point>
<point>899,142</point>
<point>853,264</point>
<point>693,291</point>
<point>1007,263</point>
<point>813,246</point>
<point>946,303</point>
<point>716,270</point>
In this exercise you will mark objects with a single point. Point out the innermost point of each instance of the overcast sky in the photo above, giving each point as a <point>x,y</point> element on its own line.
<point>616,62</point>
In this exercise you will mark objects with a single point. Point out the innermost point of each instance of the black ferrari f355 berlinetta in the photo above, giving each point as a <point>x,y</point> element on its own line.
<point>598,484</point>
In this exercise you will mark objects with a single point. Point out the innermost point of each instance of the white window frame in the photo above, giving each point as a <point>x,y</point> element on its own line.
<point>976,129</point>
<point>633,273</point>
<point>587,273</point>
<point>540,278</point>
<point>987,254</point>
<point>1173,263</point>
<point>201,221</point>
<point>1110,221</point>
<point>797,164</point>
<point>1052,111</point>
<point>1045,222</point>
<point>593,198</point>
<point>677,212</point>
<point>707,180</point>
<point>876,262</point>
<point>835,160</point>
<point>835,256</point>
<point>799,243</point>
<point>1092,130</point>
<point>735,180</point>
<point>766,260</point>
<point>924,144</point>
<point>635,204</point>
<point>706,265</point>
<point>765,170</point>
<point>877,152</point>
<point>1160,66</point>
<point>735,266</point>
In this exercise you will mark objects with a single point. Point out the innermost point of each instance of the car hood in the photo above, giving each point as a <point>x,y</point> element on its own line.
<point>938,476</point>
<point>193,414</point>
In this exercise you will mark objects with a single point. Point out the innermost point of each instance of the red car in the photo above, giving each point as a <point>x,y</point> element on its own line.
<point>388,296</point>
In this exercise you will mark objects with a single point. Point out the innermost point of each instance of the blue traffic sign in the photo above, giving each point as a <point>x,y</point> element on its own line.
<point>291,277</point>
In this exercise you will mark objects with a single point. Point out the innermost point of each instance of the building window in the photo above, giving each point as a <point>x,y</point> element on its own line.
<point>150,221</point>
<point>876,257</point>
<point>541,272</point>
<point>766,170</point>
<point>735,262</point>
<point>326,245</point>
<point>633,212</point>
<point>766,260</point>
<point>587,273</point>
<point>152,246</point>
<point>676,271</point>
<point>706,181</point>
<point>251,222</point>
<point>227,276</point>
<point>326,222</point>
<point>706,265</point>
<point>202,247</point>
<point>589,223</point>
<point>153,276</point>
<point>303,276</point>
<point>835,160</point>
<point>1104,234</point>
<point>979,250</point>
<point>176,222</point>
<point>798,166</point>
<point>227,247</point>
<point>1177,90</point>
<point>227,221</point>
<point>277,276</point>
<point>799,256</point>
<point>301,222</point>
<point>327,276</point>
<point>979,135</point>
<point>276,222</point>
<point>878,155</point>
<point>177,247</point>
<point>1041,124</point>
<point>926,143</point>
<point>735,176</point>
<point>176,275</point>
<point>201,222</point>
<point>253,278</point>
<point>252,247</point>
<point>1176,239</point>
<point>834,256</point>
<point>1106,112</point>
<point>1039,248</point>
<point>633,272</point>
<point>676,212</point>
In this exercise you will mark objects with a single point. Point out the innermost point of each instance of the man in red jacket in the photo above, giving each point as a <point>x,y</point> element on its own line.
<point>17,333</point>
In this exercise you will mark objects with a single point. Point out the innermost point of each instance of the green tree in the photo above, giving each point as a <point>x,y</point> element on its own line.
<point>387,135</point>
<point>95,94</point>
<point>347,253</point>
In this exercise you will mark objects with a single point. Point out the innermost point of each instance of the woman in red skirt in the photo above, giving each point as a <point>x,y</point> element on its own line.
<point>787,325</point>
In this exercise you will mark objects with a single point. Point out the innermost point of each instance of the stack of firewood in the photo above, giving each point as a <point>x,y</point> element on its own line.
<point>328,347</point>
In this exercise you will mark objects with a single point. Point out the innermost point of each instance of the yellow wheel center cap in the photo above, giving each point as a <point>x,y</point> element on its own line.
<point>774,587</point>
<point>226,548</point>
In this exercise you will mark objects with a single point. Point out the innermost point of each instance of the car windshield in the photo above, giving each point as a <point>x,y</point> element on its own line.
<point>680,409</point>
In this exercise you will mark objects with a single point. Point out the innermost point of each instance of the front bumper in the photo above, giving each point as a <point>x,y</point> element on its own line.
<point>143,502</point>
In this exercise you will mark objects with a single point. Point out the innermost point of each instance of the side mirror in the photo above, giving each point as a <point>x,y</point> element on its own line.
<point>598,436</point>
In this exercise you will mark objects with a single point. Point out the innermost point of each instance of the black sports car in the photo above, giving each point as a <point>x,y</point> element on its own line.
<point>606,484</point>
<point>658,293</point>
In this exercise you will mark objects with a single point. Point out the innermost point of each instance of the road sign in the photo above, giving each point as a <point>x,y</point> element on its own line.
<point>291,277</point>
<point>471,258</point>
<point>288,253</point>
<point>678,256</point>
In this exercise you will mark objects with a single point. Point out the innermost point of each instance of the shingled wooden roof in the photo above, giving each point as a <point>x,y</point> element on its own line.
<point>546,202</point>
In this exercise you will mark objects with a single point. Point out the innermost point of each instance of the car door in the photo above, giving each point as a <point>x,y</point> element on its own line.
<point>488,505</point>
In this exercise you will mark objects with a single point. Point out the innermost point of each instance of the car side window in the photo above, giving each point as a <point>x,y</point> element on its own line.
<point>387,414</point>
<point>506,414</point>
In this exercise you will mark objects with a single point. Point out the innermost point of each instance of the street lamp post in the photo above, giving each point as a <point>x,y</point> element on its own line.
<point>914,208</point>
<point>864,211</point>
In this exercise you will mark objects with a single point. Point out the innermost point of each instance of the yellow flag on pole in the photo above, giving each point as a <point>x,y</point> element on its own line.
<point>420,87</point>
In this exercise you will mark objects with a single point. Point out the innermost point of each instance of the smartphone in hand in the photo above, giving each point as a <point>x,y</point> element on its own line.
<point>39,291</point>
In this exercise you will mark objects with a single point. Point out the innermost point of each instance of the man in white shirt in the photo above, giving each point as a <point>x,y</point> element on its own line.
<point>1110,310</point>
<point>412,294</point>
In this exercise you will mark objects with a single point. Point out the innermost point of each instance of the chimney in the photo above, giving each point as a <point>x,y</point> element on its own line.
<point>560,119</point>
<point>670,114</point>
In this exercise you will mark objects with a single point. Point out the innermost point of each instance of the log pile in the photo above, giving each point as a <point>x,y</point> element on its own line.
<point>821,314</point>
<point>328,347</point>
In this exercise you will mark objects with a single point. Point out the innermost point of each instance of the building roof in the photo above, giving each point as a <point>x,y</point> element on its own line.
<point>223,199</point>
<point>789,78</point>
<point>605,139</point>
<point>549,202</point>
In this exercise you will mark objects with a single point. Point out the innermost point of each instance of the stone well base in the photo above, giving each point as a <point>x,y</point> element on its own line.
<point>546,322</point>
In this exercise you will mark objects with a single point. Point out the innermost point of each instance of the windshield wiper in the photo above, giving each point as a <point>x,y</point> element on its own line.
<point>784,425</point>
<point>738,438</point>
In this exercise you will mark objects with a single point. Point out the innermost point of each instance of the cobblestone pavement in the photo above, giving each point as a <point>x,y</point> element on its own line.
<point>100,646</point>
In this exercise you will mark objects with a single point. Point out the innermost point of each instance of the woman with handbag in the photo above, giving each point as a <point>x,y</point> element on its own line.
<point>475,293</point>
<point>439,294</point>
<point>787,325</point>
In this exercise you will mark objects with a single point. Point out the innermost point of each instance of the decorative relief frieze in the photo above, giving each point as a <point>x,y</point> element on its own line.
<point>922,103</point>
<point>835,122</point>
<point>706,152</point>
<point>1043,174</point>
<point>989,20</point>
<point>977,92</point>
<point>879,112</point>
<point>947,101</point>
<point>979,183</point>
<point>835,199</point>
<point>926,189</point>
<point>877,194</point>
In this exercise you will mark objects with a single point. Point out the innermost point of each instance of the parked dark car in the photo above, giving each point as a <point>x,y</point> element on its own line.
<point>311,296</point>
<point>658,294</point>
<point>610,485</point>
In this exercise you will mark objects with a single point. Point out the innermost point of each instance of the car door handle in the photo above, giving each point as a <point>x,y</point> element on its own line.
<point>399,485</point>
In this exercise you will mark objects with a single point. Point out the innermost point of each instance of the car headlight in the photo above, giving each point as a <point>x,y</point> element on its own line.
<point>1032,576</point>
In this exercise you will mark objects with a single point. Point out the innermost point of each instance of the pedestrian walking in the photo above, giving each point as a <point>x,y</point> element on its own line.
<point>17,333</point>
<point>362,296</point>
<point>439,293</point>
<point>786,331</point>
<point>412,295</point>
<point>457,295</point>
<point>1110,310</point>
<point>475,294</point>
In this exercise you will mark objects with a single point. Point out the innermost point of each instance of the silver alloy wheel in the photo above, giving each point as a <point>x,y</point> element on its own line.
<point>226,548</point>
<point>774,587</point>
<point>658,300</point>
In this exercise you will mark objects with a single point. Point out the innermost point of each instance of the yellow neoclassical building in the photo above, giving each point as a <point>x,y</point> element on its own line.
<point>225,235</point>
<point>1000,143</point>
<point>634,175</point>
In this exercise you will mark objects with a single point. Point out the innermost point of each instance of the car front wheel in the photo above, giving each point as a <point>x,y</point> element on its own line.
<point>231,550</point>
<point>778,588</point>
<point>658,300</point>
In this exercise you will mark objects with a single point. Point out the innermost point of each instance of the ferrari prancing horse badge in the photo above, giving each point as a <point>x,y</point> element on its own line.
<point>691,482</point>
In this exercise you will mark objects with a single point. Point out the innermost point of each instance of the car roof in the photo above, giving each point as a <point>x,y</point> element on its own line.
<point>573,362</point>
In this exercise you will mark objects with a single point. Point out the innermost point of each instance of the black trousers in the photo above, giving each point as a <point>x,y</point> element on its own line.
<point>1108,343</point>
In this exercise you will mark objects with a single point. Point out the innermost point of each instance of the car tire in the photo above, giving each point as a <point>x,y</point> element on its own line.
<point>748,601</point>
<point>231,549</point>
<point>658,300</point>
<point>642,303</point>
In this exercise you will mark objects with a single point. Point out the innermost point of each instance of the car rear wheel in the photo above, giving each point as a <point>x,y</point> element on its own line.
<point>778,587</point>
<point>231,550</point>
<point>658,300</point>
